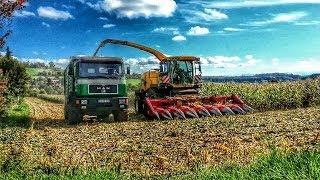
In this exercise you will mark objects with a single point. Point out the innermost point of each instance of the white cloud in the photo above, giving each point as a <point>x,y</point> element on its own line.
<point>103,18</point>
<point>81,1</point>
<point>179,38</point>
<point>67,7</point>
<point>221,61</point>
<point>35,53</point>
<point>107,26</point>
<point>307,23</point>
<point>45,24</point>
<point>302,66</point>
<point>23,14</point>
<point>281,18</point>
<point>256,3</point>
<point>250,61</point>
<point>203,17</point>
<point>142,61</point>
<point>141,64</point>
<point>230,61</point>
<point>198,31</point>
<point>171,30</point>
<point>61,62</point>
<point>137,8</point>
<point>93,6</point>
<point>52,13</point>
<point>275,61</point>
<point>33,60</point>
<point>230,29</point>
<point>213,14</point>
<point>307,65</point>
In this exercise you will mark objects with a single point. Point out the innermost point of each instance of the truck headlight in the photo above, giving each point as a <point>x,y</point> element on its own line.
<point>123,101</point>
<point>84,101</point>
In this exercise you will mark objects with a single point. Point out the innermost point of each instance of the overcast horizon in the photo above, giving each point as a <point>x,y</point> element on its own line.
<point>231,37</point>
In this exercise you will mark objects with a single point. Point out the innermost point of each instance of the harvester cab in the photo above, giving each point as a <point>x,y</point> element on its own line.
<point>181,75</point>
<point>176,75</point>
<point>172,91</point>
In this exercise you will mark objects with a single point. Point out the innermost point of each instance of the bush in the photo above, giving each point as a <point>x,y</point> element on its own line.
<point>16,75</point>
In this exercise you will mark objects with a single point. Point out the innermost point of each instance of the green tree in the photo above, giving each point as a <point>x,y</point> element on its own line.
<point>7,9</point>
<point>16,75</point>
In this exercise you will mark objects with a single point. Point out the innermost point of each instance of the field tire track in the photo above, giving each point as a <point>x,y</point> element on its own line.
<point>44,110</point>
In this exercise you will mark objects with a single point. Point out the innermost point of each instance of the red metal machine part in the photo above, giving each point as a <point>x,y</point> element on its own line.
<point>195,107</point>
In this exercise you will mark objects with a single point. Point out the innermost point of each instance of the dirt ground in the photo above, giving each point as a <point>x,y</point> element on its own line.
<point>159,147</point>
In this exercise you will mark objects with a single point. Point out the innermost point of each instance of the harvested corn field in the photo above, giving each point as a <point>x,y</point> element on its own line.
<point>157,147</point>
<point>44,111</point>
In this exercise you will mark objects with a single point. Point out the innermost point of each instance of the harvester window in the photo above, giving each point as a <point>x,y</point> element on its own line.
<point>182,72</point>
<point>197,68</point>
<point>164,68</point>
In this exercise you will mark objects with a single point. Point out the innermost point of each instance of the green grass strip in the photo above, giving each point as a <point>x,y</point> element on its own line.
<point>16,115</point>
<point>303,165</point>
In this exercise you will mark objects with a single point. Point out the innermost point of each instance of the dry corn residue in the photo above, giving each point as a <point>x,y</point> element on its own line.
<point>155,147</point>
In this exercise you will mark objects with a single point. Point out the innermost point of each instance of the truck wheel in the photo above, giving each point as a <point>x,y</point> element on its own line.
<point>72,116</point>
<point>122,115</point>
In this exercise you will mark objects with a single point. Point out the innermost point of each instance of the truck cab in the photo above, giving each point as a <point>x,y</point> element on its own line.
<point>95,87</point>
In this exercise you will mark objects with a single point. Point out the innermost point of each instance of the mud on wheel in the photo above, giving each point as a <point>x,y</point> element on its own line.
<point>72,115</point>
<point>122,115</point>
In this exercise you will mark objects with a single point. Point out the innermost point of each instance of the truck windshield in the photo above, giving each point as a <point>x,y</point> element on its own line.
<point>99,69</point>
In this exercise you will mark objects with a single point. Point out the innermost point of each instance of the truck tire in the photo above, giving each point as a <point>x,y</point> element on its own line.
<point>121,115</point>
<point>72,116</point>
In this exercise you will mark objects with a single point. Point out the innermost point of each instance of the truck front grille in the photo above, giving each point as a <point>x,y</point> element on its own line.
<point>103,89</point>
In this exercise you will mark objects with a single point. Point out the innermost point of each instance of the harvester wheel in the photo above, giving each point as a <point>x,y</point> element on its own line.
<point>152,93</point>
<point>72,115</point>
<point>121,115</point>
<point>138,105</point>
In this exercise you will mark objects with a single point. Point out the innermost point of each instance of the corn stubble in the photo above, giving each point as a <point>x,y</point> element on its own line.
<point>161,147</point>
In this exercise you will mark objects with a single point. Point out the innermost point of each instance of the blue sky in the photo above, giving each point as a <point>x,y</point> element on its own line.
<point>231,37</point>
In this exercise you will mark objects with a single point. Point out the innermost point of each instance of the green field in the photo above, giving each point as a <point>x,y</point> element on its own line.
<point>134,82</point>
<point>34,71</point>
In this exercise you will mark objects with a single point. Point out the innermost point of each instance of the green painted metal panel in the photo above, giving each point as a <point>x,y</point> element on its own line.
<point>82,90</point>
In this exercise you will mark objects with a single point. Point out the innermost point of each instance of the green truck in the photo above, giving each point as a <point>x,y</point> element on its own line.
<point>95,87</point>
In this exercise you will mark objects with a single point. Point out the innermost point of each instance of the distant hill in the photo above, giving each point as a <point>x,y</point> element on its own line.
<point>312,76</point>
<point>266,77</point>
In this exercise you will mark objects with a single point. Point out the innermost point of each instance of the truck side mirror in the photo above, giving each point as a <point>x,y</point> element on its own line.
<point>128,70</point>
